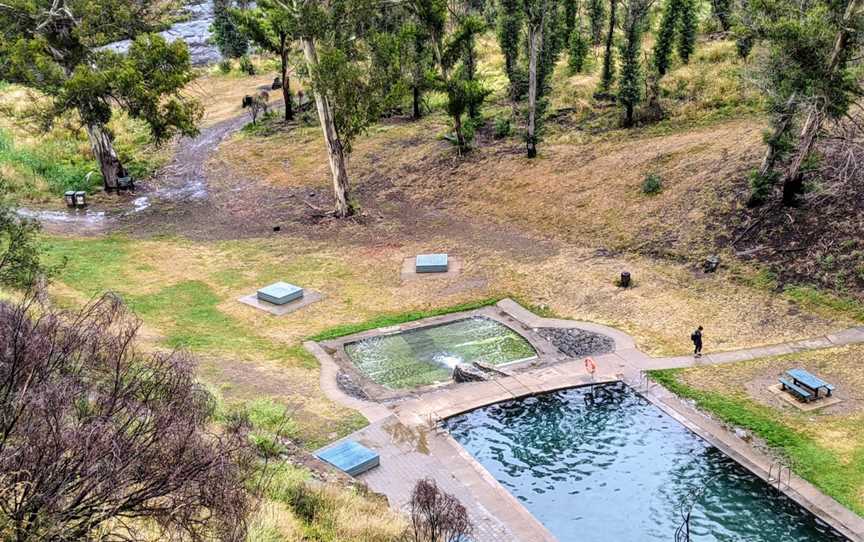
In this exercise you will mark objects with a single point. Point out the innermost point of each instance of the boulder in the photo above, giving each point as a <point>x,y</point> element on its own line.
<point>463,372</point>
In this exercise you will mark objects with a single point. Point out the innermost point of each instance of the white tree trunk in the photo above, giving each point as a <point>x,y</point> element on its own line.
<point>335,152</point>
<point>103,149</point>
<point>535,42</point>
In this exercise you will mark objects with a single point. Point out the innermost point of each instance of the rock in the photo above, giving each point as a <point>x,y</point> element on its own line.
<point>466,373</point>
<point>743,434</point>
<point>347,385</point>
<point>711,264</point>
<point>576,343</point>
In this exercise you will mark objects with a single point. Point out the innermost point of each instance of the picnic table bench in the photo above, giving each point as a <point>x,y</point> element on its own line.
<point>802,393</point>
<point>805,385</point>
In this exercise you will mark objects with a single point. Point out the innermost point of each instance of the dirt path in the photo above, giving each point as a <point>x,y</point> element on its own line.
<point>183,181</point>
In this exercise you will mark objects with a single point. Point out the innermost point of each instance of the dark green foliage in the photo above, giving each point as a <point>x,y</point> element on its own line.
<point>630,85</point>
<point>761,187</point>
<point>578,51</point>
<point>687,31</point>
<point>225,66</point>
<point>227,35</point>
<point>607,75</point>
<point>722,10</point>
<point>510,24</point>
<point>246,65</point>
<point>652,184</point>
<point>666,35</point>
<point>597,18</point>
<point>20,253</point>
<point>503,127</point>
<point>744,44</point>
<point>571,8</point>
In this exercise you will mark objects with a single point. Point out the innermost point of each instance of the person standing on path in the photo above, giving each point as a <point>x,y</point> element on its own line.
<point>696,337</point>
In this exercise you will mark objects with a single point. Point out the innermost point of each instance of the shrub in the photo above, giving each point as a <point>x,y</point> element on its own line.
<point>437,516</point>
<point>503,127</point>
<point>652,185</point>
<point>136,430</point>
<point>225,65</point>
<point>246,65</point>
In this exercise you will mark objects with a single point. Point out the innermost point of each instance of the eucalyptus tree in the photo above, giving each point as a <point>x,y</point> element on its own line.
<point>227,31</point>
<point>546,39</point>
<point>808,73</point>
<point>272,28</point>
<point>54,47</point>
<point>351,89</point>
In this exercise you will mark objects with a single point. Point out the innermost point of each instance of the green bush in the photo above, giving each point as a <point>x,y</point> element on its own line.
<point>55,161</point>
<point>225,65</point>
<point>503,127</point>
<point>652,185</point>
<point>246,65</point>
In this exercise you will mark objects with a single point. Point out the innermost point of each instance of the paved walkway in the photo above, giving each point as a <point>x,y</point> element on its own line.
<point>404,433</point>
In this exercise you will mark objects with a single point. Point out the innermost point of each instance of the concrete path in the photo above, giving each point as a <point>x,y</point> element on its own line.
<point>405,433</point>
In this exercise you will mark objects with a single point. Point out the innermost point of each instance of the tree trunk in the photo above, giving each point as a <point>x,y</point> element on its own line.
<point>608,71</point>
<point>535,42</point>
<point>780,131</point>
<point>457,128</point>
<point>415,90</point>
<point>103,149</point>
<point>335,152</point>
<point>793,181</point>
<point>286,85</point>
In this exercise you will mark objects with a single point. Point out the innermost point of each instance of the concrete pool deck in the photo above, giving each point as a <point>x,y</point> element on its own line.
<point>406,434</point>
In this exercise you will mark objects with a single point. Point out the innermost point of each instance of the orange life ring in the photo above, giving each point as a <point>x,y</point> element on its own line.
<point>590,366</point>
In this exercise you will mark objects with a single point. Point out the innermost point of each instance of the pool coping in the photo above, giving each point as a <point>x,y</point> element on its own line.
<point>428,406</point>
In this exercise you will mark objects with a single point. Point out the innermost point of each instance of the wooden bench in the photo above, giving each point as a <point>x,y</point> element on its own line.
<point>803,394</point>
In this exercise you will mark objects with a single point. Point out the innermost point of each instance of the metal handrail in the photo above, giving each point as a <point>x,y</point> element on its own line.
<point>780,466</point>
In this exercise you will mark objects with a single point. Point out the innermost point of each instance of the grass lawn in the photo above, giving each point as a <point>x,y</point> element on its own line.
<point>825,447</point>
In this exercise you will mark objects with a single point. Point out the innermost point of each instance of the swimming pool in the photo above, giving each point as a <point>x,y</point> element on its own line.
<point>427,355</point>
<point>619,470</point>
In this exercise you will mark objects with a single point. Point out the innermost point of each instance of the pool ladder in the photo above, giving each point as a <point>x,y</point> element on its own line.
<point>775,475</point>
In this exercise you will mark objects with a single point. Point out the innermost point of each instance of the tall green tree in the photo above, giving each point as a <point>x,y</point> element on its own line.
<point>687,31</point>
<point>597,18</point>
<point>272,28</point>
<point>578,48</point>
<point>227,33</point>
<point>510,31</point>
<point>631,82</point>
<point>54,47</point>
<point>607,75</point>
<point>665,41</point>
<point>722,11</point>
<point>351,88</point>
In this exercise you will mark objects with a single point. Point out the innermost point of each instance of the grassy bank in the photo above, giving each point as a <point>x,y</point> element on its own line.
<point>827,449</point>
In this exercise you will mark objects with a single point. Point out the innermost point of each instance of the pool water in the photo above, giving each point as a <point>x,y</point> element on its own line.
<point>618,471</point>
<point>427,355</point>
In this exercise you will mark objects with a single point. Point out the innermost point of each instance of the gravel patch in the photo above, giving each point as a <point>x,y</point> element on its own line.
<point>575,343</point>
<point>347,385</point>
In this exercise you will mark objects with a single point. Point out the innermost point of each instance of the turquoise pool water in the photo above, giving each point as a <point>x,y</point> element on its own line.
<point>427,355</point>
<point>618,471</point>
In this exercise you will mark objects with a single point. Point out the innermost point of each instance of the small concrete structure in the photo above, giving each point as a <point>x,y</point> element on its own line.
<point>281,298</point>
<point>409,270</point>
<point>279,293</point>
<point>431,263</point>
<point>350,457</point>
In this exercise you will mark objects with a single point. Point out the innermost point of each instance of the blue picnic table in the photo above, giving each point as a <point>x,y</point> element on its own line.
<point>813,383</point>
